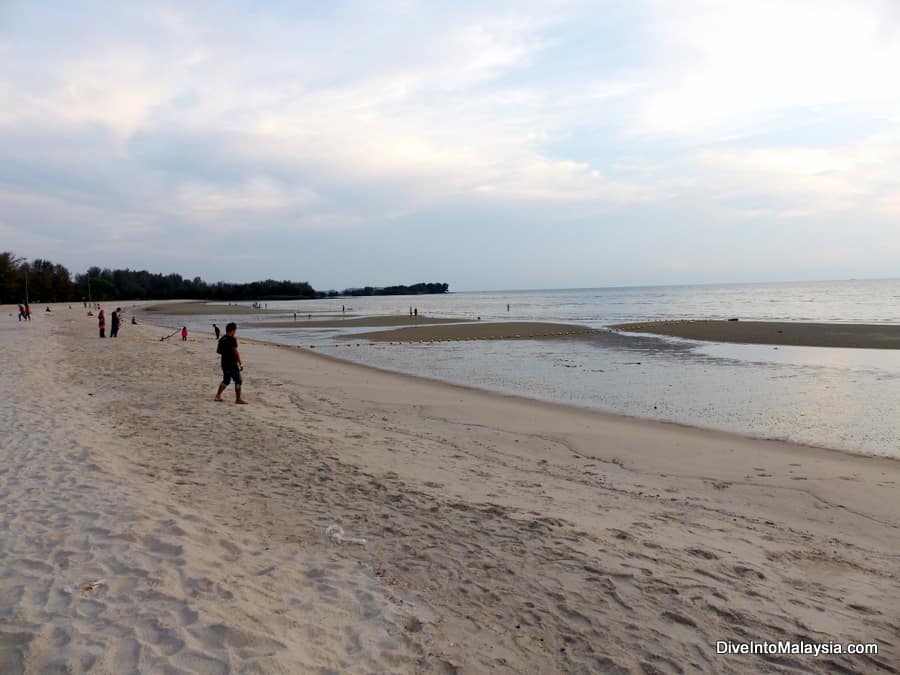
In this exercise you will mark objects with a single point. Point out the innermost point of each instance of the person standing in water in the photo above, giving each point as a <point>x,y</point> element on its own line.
<point>231,364</point>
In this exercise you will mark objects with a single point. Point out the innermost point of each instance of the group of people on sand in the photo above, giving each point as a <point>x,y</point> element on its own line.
<point>226,347</point>
<point>115,321</point>
<point>24,312</point>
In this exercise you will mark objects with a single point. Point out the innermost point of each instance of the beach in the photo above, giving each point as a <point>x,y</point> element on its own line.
<point>502,534</point>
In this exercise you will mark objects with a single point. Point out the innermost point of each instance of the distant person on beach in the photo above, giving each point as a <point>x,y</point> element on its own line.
<point>133,321</point>
<point>295,316</point>
<point>21,312</point>
<point>184,333</point>
<point>101,324</point>
<point>416,311</point>
<point>27,312</point>
<point>218,332</point>
<point>410,311</point>
<point>507,307</point>
<point>114,323</point>
<point>231,363</point>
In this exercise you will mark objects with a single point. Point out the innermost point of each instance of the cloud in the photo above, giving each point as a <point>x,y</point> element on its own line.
<point>861,177</point>
<point>161,127</point>
<point>732,67</point>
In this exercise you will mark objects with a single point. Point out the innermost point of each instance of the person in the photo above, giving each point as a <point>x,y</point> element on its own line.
<point>415,311</point>
<point>231,364</point>
<point>184,333</point>
<point>101,322</point>
<point>410,311</point>
<point>507,307</point>
<point>295,316</point>
<point>218,332</point>
<point>114,323</point>
<point>47,310</point>
<point>27,312</point>
<point>21,312</point>
<point>133,321</point>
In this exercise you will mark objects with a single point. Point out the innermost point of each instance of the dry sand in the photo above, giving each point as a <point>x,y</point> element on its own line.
<point>503,535</point>
<point>363,321</point>
<point>775,333</point>
<point>481,330</point>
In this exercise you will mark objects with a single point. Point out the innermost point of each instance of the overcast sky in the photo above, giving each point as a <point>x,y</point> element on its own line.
<point>485,144</point>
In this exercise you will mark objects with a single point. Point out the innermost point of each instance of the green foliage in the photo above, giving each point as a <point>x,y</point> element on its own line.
<point>37,281</point>
<point>133,284</point>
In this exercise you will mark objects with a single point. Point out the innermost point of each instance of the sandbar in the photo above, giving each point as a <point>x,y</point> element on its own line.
<point>203,308</point>
<point>362,321</point>
<point>478,330</point>
<point>861,336</point>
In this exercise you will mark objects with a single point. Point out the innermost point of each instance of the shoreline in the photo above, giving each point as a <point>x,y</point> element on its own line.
<point>502,533</point>
<point>316,352</point>
<point>555,406</point>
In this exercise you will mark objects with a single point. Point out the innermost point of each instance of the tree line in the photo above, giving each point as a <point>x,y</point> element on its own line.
<point>414,289</point>
<point>44,281</point>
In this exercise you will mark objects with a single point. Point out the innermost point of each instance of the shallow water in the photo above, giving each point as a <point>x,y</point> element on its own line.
<point>838,398</point>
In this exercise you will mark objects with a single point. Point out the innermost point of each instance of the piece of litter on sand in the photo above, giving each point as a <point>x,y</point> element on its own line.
<point>86,586</point>
<point>336,534</point>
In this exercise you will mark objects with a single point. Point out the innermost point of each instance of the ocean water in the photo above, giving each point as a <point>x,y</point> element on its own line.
<point>836,398</point>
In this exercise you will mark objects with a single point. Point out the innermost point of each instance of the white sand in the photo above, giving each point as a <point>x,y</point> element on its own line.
<point>503,534</point>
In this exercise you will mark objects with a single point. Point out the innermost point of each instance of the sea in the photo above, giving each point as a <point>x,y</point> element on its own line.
<point>844,399</point>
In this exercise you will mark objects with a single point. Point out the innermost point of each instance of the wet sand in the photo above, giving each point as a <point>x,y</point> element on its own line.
<point>862,336</point>
<point>480,330</point>
<point>502,535</point>
<point>364,321</point>
<point>179,308</point>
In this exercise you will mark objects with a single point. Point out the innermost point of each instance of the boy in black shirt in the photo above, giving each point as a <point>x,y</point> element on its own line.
<point>231,364</point>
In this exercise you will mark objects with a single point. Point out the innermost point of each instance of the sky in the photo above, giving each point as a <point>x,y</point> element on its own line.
<point>488,145</point>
